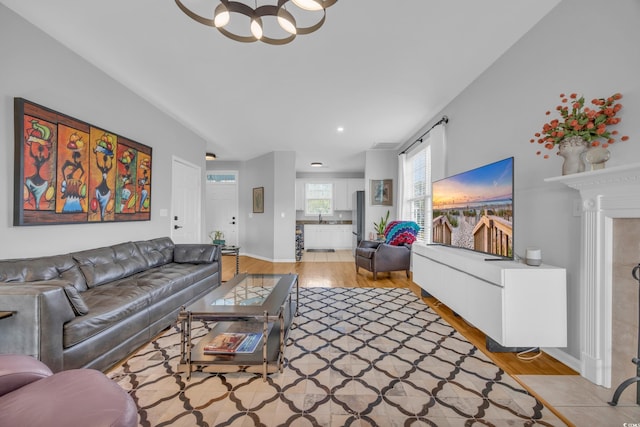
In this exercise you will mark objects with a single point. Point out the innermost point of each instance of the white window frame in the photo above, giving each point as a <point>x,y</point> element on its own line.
<point>308,191</point>
<point>409,196</point>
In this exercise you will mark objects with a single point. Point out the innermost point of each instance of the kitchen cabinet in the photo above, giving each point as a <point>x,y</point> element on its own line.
<point>327,236</point>
<point>343,189</point>
<point>340,195</point>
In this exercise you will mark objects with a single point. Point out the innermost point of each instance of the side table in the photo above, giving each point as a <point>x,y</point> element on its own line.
<point>232,250</point>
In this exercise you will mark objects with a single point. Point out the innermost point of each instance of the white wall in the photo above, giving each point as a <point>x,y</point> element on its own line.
<point>268,235</point>
<point>36,67</point>
<point>379,164</point>
<point>582,46</point>
<point>284,206</point>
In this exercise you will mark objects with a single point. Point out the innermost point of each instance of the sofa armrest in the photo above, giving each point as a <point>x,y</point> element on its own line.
<point>40,311</point>
<point>196,253</point>
<point>372,244</point>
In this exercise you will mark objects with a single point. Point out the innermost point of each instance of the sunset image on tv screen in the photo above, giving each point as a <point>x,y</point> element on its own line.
<point>474,209</point>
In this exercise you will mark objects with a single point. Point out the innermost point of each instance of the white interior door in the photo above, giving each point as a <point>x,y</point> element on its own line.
<point>222,206</point>
<point>186,202</point>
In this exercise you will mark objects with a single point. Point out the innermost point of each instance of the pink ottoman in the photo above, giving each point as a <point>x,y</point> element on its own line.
<point>31,395</point>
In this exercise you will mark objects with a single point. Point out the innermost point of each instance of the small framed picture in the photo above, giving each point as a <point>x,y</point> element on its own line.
<point>381,192</point>
<point>258,200</point>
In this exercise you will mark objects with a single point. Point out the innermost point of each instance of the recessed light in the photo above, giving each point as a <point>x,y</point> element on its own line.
<point>316,164</point>
<point>340,129</point>
<point>210,156</point>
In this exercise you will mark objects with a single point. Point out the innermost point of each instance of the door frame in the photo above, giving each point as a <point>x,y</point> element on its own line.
<point>197,207</point>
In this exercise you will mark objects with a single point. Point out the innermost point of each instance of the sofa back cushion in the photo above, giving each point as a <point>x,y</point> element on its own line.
<point>157,251</point>
<point>104,265</point>
<point>59,267</point>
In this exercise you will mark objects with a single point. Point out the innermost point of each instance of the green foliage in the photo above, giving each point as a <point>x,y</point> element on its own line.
<point>380,226</point>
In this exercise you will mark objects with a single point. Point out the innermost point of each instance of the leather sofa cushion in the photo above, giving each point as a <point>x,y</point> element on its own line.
<point>58,267</point>
<point>75,299</point>
<point>104,265</point>
<point>109,305</point>
<point>156,251</point>
<point>194,254</point>
<point>115,302</point>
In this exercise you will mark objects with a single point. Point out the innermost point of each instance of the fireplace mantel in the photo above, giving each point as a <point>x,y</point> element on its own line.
<point>606,194</point>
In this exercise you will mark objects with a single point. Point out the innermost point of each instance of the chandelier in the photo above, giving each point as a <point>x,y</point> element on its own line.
<point>275,24</point>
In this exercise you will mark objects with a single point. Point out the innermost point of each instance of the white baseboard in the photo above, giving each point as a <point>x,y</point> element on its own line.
<point>563,357</point>
<point>267,259</point>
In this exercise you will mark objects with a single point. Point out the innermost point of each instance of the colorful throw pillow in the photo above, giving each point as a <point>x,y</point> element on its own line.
<point>400,232</point>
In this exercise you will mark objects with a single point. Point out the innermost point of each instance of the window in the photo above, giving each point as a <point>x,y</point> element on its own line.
<point>221,177</point>
<point>318,198</point>
<point>417,194</point>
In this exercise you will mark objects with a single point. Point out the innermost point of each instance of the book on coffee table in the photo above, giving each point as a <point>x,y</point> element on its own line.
<point>225,343</point>
<point>233,342</point>
<point>250,343</point>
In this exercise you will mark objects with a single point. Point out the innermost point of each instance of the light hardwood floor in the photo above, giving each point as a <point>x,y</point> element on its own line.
<point>317,271</point>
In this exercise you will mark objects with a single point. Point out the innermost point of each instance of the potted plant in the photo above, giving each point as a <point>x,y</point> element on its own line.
<point>380,226</point>
<point>217,237</point>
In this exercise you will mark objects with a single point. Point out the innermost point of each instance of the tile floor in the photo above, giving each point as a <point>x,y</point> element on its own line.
<point>582,402</point>
<point>337,256</point>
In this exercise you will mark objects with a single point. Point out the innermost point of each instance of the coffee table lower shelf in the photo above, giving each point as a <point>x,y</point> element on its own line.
<point>238,362</point>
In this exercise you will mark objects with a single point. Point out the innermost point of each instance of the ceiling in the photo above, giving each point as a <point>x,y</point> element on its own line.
<point>380,69</point>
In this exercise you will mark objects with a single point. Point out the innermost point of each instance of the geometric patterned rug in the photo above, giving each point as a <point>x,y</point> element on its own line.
<point>354,357</point>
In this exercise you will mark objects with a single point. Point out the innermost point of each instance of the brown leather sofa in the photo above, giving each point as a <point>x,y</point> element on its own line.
<point>380,257</point>
<point>91,309</point>
<point>32,395</point>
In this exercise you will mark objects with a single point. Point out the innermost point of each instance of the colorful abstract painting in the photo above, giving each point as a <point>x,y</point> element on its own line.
<point>69,171</point>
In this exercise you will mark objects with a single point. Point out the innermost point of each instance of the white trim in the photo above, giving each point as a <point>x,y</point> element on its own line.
<point>606,194</point>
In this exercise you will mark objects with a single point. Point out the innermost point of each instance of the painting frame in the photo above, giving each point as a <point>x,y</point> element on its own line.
<point>381,192</point>
<point>68,171</point>
<point>258,199</point>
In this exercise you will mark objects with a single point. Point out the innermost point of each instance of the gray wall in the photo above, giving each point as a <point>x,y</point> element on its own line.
<point>582,46</point>
<point>269,235</point>
<point>38,68</point>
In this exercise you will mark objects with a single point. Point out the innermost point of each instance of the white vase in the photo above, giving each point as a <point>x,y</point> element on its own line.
<point>571,149</point>
<point>596,157</point>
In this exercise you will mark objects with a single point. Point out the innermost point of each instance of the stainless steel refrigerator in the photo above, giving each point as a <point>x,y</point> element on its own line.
<point>357,219</point>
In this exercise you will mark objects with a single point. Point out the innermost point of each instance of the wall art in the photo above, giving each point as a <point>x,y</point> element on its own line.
<point>381,192</point>
<point>258,200</point>
<point>68,171</point>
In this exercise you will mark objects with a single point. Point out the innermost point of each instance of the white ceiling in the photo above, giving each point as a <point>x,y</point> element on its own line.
<point>381,69</point>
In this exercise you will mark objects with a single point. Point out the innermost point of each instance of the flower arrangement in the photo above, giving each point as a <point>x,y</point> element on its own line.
<point>577,120</point>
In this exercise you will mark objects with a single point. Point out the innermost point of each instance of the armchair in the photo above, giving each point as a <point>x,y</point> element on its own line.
<point>392,254</point>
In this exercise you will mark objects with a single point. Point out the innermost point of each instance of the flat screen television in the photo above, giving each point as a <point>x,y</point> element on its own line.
<point>474,209</point>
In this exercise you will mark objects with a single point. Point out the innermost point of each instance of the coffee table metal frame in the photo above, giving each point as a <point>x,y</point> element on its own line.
<point>271,316</point>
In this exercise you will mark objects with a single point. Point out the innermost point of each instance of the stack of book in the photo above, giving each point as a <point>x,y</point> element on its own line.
<point>233,342</point>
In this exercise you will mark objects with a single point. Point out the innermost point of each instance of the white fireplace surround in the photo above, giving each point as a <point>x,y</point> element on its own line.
<point>606,194</point>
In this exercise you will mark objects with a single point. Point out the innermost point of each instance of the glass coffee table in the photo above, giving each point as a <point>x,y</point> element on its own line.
<point>260,305</point>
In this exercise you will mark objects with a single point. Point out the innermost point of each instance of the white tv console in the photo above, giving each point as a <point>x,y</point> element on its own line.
<point>514,304</point>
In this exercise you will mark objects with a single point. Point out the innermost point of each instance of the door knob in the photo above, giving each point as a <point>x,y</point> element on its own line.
<point>175,227</point>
